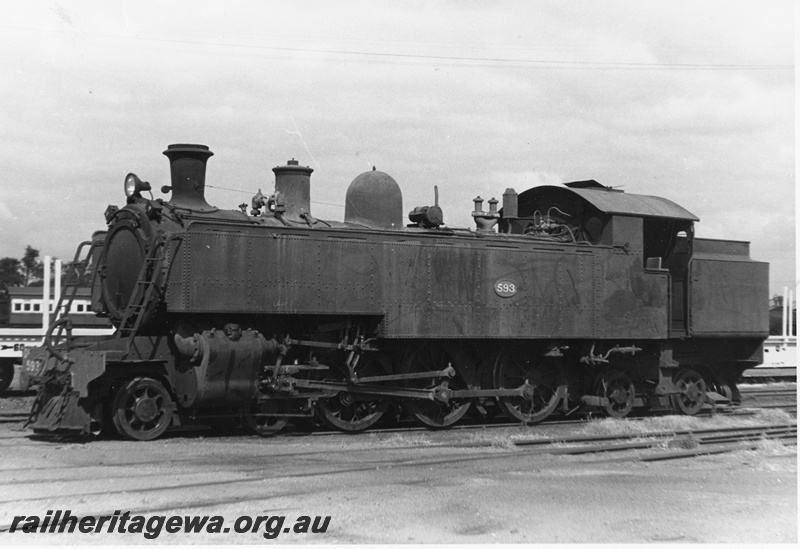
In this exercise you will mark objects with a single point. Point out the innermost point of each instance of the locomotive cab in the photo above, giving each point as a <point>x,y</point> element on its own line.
<point>661,234</point>
<point>596,214</point>
<point>655,229</point>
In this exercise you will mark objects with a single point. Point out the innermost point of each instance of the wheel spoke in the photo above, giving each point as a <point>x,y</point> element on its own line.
<point>516,370</point>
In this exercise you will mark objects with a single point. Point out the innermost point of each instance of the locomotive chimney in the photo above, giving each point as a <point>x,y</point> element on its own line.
<point>293,182</point>
<point>188,170</point>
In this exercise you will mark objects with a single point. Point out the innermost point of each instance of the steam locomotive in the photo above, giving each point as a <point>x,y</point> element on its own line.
<point>565,296</point>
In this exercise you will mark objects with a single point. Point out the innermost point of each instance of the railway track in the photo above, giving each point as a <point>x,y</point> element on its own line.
<point>116,478</point>
<point>13,417</point>
<point>762,374</point>
<point>765,393</point>
<point>693,442</point>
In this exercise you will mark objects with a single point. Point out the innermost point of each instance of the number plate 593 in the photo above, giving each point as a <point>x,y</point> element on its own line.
<point>505,288</point>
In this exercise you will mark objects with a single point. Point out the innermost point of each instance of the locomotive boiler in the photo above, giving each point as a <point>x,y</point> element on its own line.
<point>564,296</point>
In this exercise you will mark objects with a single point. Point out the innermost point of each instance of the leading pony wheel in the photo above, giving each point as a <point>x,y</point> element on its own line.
<point>142,409</point>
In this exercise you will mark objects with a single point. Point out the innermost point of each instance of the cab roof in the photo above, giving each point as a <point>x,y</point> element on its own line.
<point>608,200</point>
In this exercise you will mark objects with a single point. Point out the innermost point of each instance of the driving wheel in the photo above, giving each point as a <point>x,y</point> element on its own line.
<point>544,385</point>
<point>434,414</point>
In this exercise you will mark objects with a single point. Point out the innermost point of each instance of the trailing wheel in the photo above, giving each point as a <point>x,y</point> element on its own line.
<point>351,412</point>
<point>516,367</point>
<point>142,409</point>
<point>434,414</point>
<point>691,391</point>
<point>619,392</point>
<point>731,391</point>
<point>726,388</point>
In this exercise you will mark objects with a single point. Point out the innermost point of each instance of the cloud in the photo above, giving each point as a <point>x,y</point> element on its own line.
<point>427,91</point>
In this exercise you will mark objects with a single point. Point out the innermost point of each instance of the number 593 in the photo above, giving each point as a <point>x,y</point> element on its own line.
<point>505,288</point>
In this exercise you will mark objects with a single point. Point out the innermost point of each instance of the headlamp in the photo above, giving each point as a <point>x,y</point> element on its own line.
<point>134,186</point>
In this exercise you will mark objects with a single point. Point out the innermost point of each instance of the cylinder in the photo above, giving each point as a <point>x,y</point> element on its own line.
<point>293,182</point>
<point>188,171</point>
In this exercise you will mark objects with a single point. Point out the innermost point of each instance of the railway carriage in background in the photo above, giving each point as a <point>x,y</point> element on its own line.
<point>25,314</point>
<point>566,296</point>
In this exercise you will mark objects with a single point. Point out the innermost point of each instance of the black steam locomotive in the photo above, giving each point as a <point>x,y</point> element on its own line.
<point>574,295</point>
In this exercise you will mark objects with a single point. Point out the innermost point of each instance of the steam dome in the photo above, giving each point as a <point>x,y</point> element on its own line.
<point>374,199</point>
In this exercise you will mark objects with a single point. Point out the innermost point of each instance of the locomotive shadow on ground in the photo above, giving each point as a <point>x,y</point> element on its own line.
<point>200,431</point>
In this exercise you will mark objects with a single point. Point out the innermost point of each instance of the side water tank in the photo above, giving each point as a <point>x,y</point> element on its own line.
<point>374,199</point>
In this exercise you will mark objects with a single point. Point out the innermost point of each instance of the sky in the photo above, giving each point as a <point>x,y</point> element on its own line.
<point>689,100</point>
